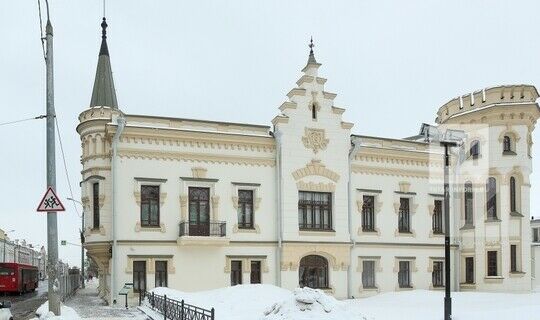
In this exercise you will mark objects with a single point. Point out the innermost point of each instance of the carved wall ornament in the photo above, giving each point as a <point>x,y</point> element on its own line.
<point>315,168</point>
<point>198,172</point>
<point>315,139</point>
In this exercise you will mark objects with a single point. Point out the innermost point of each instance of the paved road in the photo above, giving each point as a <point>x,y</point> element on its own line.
<point>24,306</point>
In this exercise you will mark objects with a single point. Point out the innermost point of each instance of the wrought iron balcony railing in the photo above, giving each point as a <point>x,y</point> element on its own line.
<point>204,229</point>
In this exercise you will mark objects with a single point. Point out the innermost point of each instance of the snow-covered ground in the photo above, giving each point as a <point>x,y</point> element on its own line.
<point>66,313</point>
<point>86,305</point>
<point>267,302</point>
<point>423,304</point>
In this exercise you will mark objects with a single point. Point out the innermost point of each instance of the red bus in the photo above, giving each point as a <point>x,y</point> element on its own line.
<point>17,277</point>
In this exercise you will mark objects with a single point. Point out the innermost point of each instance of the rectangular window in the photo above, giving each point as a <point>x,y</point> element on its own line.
<point>368,274</point>
<point>255,276</point>
<point>404,215</point>
<point>315,210</point>
<point>161,273</point>
<point>236,272</point>
<point>150,206</point>
<point>139,276</point>
<point>245,209</point>
<point>438,274</point>
<point>404,274</point>
<point>469,204</point>
<point>513,258</point>
<point>492,263</point>
<point>469,270</point>
<point>491,194</point>
<point>437,219</point>
<point>368,213</point>
<point>536,234</point>
<point>95,203</point>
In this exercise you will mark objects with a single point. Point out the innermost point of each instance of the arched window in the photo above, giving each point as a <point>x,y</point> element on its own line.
<point>507,144</point>
<point>513,194</point>
<point>313,112</point>
<point>313,272</point>
<point>475,149</point>
<point>491,198</point>
<point>469,203</point>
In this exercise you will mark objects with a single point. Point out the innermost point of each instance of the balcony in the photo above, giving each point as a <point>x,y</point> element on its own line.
<point>209,233</point>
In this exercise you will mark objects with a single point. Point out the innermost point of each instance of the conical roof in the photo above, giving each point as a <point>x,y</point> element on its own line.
<point>103,93</point>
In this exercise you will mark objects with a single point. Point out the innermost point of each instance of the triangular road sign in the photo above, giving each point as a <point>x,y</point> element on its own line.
<point>50,202</point>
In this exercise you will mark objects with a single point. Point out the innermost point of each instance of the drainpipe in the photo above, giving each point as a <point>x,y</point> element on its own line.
<point>279,253</point>
<point>121,122</point>
<point>352,153</point>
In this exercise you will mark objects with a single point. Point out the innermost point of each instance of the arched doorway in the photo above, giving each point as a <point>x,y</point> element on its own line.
<point>313,272</point>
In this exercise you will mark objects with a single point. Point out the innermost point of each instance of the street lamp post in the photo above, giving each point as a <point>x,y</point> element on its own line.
<point>451,138</point>
<point>82,240</point>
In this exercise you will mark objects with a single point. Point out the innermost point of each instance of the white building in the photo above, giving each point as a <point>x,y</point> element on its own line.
<point>22,252</point>
<point>535,253</point>
<point>195,204</point>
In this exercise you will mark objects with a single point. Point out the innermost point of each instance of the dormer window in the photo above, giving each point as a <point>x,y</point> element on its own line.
<point>475,149</point>
<point>313,112</point>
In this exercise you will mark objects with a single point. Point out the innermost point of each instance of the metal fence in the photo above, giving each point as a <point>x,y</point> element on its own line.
<point>68,281</point>
<point>174,309</point>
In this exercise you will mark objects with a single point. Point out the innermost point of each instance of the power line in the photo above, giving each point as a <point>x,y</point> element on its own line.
<point>65,167</point>
<point>41,30</point>
<point>22,120</point>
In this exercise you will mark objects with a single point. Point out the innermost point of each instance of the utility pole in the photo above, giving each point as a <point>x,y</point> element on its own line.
<point>447,297</point>
<point>52,228</point>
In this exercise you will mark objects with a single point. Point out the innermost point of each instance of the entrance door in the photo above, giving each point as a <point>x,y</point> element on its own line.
<point>199,211</point>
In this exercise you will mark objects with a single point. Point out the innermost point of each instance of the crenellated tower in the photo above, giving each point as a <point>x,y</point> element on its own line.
<point>494,198</point>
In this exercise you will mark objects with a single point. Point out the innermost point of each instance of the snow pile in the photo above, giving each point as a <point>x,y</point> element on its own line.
<point>66,313</point>
<point>307,303</point>
<point>241,302</point>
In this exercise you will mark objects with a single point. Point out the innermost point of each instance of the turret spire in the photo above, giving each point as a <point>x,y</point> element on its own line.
<point>311,58</point>
<point>104,93</point>
<point>312,64</point>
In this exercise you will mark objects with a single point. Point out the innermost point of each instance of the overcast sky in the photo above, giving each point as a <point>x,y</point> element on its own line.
<point>392,64</point>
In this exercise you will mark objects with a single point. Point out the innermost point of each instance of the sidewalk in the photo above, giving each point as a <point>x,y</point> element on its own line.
<point>89,306</point>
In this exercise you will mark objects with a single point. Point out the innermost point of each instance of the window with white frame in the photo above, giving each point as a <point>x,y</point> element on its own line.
<point>492,264</point>
<point>491,198</point>
<point>368,213</point>
<point>536,234</point>
<point>404,274</point>
<point>437,218</point>
<point>368,274</point>
<point>437,274</point>
<point>404,218</point>
<point>245,209</point>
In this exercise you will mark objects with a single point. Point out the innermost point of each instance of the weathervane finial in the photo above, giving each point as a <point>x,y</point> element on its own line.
<point>311,45</point>
<point>104,29</point>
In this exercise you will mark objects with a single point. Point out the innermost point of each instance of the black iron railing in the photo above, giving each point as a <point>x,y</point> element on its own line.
<point>174,309</point>
<point>205,229</point>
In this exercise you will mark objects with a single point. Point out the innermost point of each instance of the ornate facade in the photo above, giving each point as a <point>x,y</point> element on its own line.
<point>196,204</point>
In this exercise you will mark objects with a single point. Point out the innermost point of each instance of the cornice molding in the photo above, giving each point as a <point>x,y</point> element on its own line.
<point>382,171</point>
<point>296,92</point>
<point>209,140</point>
<point>195,157</point>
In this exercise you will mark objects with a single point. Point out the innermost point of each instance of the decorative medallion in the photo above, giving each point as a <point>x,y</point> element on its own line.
<point>315,139</point>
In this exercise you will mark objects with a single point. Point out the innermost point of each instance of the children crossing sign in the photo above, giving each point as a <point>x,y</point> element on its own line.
<point>50,202</point>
